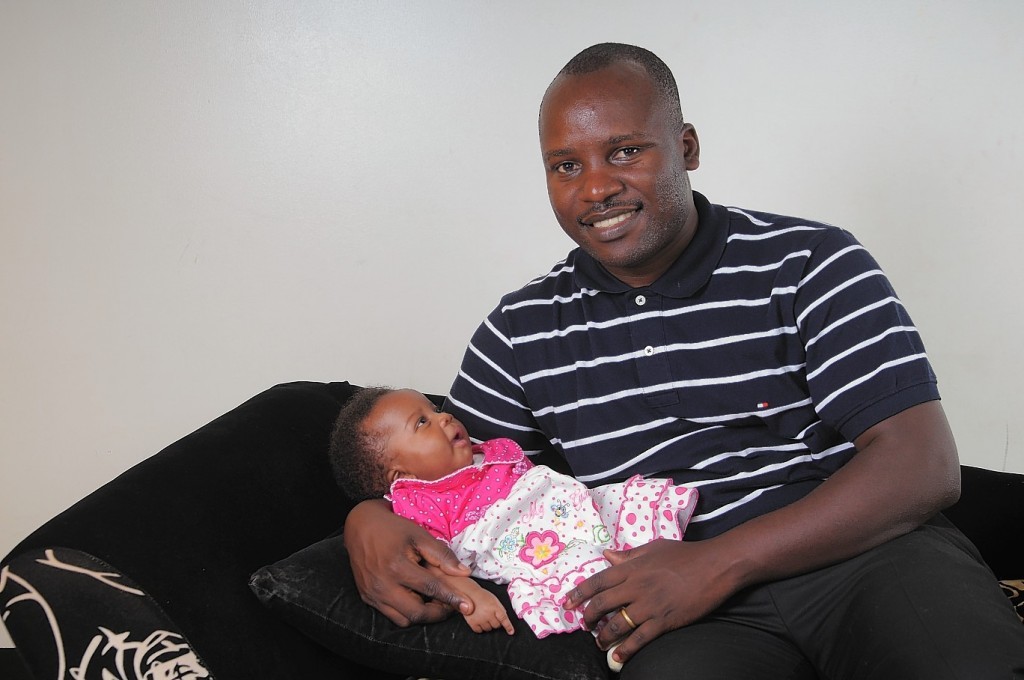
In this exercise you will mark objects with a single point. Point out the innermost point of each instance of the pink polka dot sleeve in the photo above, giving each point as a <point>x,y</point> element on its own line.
<point>424,509</point>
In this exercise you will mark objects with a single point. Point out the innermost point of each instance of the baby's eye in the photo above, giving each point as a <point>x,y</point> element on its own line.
<point>422,421</point>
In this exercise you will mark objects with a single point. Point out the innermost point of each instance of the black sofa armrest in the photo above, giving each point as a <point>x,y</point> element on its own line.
<point>188,526</point>
<point>991,513</point>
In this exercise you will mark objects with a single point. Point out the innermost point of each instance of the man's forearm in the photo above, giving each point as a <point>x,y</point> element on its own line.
<point>905,471</point>
<point>386,552</point>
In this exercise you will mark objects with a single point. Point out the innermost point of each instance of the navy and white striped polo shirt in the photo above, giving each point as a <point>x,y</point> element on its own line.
<point>746,370</point>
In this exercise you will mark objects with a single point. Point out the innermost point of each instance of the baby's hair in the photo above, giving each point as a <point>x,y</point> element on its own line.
<point>356,454</point>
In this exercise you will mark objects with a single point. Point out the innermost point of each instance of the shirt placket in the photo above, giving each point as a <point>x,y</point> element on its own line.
<point>647,329</point>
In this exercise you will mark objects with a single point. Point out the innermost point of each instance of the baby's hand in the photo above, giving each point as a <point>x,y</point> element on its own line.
<point>488,614</point>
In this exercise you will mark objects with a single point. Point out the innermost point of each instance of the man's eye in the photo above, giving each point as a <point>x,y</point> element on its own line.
<point>626,152</point>
<point>565,168</point>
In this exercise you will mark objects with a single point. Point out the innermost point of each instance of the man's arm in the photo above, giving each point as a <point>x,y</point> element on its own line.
<point>906,469</point>
<point>387,553</point>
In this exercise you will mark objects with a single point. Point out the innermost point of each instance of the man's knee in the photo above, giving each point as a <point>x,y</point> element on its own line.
<point>717,650</point>
<point>923,605</point>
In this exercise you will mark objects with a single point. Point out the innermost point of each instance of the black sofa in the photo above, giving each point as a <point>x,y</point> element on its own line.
<point>155,570</point>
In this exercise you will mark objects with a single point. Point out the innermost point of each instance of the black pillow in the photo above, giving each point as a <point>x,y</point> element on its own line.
<point>314,590</point>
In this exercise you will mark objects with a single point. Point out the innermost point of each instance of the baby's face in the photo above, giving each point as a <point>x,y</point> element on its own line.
<point>421,442</point>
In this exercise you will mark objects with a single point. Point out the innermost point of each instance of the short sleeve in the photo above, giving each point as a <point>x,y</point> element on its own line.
<point>865,358</point>
<point>488,397</point>
<point>421,507</point>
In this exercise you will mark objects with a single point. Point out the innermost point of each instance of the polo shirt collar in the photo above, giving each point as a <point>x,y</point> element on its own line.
<point>687,275</point>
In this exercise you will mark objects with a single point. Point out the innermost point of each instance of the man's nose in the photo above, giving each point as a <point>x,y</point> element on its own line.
<point>601,183</point>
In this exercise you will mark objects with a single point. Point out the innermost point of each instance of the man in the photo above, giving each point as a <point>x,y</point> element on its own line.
<point>762,359</point>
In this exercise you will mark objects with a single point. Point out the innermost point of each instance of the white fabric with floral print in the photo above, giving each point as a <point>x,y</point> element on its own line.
<point>540,531</point>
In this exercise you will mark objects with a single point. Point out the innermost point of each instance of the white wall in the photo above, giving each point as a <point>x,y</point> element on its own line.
<point>199,200</point>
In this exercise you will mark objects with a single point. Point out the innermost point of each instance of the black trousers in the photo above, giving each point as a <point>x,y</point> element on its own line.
<point>922,606</point>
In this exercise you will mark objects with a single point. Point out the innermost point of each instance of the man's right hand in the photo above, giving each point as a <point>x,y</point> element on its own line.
<point>386,552</point>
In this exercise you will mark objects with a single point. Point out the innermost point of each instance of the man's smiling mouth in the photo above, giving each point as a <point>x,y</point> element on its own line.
<point>612,221</point>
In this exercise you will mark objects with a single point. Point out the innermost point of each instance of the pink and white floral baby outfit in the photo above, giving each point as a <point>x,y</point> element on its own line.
<point>540,531</point>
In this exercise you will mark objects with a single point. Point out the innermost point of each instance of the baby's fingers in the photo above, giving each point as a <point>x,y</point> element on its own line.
<point>506,623</point>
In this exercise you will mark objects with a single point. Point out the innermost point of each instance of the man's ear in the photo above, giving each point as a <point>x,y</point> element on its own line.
<point>690,146</point>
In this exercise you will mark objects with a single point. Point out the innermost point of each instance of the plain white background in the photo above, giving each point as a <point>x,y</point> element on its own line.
<point>200,200</point>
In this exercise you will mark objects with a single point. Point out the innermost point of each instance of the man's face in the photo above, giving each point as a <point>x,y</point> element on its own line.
<point>616,164</point>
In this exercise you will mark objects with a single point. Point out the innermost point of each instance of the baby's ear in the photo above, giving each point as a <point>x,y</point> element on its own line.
<point>394,473</point>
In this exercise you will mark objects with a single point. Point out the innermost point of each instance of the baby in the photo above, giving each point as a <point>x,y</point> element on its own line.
<point>511,521</point>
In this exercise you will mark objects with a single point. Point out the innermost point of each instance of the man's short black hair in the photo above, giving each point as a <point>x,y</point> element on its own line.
<point>356,453</point>
<point>602,55</point>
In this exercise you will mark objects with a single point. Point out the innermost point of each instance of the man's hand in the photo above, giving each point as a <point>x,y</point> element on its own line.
<point>387,553</point>
<point>663,585</point>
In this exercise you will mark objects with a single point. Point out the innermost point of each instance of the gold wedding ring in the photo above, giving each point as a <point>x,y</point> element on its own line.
<point>625,616</point>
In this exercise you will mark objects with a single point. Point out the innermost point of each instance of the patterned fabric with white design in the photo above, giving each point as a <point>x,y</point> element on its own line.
<point>130,639</point>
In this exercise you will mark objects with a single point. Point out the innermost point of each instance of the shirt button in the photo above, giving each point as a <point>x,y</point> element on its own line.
<point>648,351</point>
<point>640,300</point>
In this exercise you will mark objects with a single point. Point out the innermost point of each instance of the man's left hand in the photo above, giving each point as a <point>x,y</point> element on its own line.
<point>663,585</point>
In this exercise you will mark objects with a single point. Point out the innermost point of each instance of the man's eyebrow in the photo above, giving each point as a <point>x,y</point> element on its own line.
<point>557,153</point>
<point>611,141</point>
<point>629,136</point>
